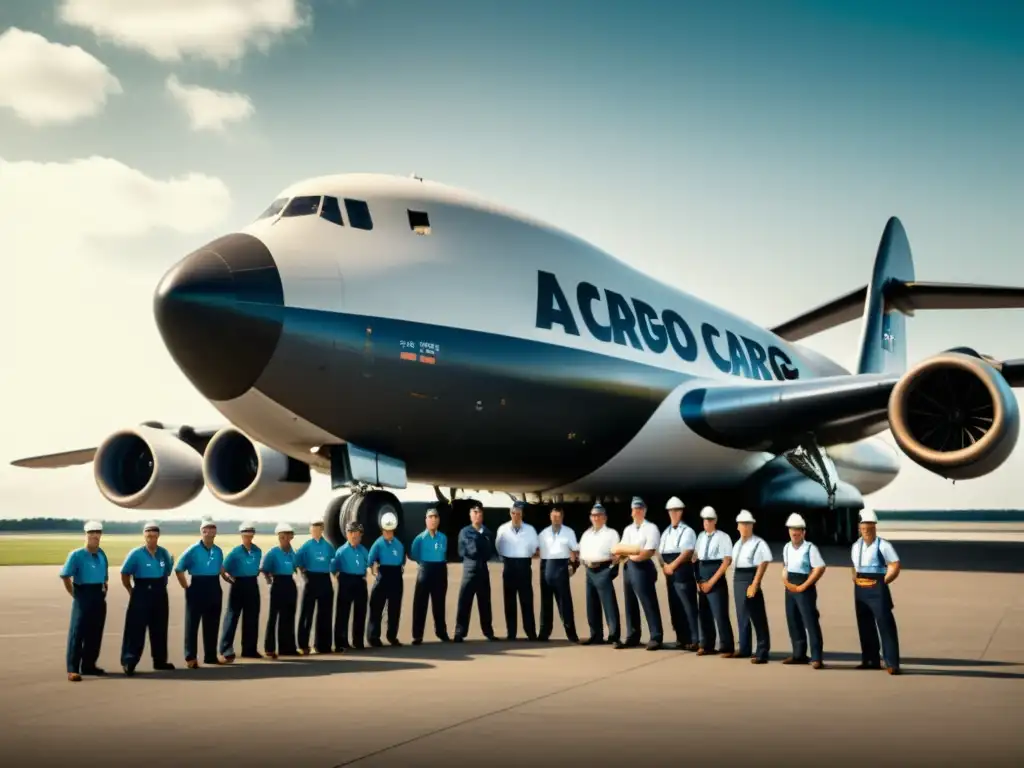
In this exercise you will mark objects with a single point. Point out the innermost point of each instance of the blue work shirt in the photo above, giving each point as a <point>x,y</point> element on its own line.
<point>427,548</point>
<point>241,563</point>
<point>315,556</point>
<point>476,546</point>
<point>351,560</point>
<point>387,552</point>
<point>83,567</point>
<point>873,558</point>
<point>140,564</point>
<point>277,562</point>
<point>200,561</point>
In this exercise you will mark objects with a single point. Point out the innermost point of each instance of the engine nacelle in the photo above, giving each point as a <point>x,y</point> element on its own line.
<point>955,415</point>
<point>147,468</point>
<point>242,472</point>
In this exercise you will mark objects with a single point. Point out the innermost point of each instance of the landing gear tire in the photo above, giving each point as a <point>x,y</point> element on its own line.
<point>368,509</point>
<point>334,528</point>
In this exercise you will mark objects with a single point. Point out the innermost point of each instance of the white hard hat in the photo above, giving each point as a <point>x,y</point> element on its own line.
<point>868,516</point>
<point>283,528</point>
<point>207,523</point>
<point>795,521</point>
<point>151,526</point>
<point>247,527</point>
<point>708,513</point>
<point>94,526</point>
<point>675,503</point>
<point>745,517</point>
<point>317,521</point>
<point>388,521</point>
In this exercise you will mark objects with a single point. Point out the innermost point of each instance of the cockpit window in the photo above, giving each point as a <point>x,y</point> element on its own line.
<point>305,205</point>
<point>274,208</point>
<point>331,211</point>
<point>358,214</point>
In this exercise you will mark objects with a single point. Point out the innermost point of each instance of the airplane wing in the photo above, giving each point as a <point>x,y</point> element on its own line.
<point>197,437</point>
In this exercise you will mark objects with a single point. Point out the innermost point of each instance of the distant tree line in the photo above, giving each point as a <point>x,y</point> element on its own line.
<point>188,527</point>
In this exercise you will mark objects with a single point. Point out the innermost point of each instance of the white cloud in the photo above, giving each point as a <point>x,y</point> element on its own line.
<point>69,205</point>
<point>217,30</point>
<point>207,109</point>
<point>49,83</point>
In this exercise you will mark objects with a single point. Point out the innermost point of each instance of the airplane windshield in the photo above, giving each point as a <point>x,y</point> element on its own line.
<point>306,205</point>
<point>273,209</point>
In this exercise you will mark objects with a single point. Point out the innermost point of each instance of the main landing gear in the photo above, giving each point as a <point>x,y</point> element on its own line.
<point>365,506</point>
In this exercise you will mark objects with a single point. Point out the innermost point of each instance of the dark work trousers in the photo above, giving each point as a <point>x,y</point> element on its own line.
<point>714,609</point>
<point>802,619</point>
<point>387,588</point>
<point>432,586</point>
<point>318,594</point>
<point>147,610</point>
<point>601,597</point>
<point>476,582</point>
<point>517,581</point>
<point>203,599</point>
<point>244,604</point>
<point>750,612</point>
<point>638,586</point>
<point>280,634</point>
<point>85,635</point>
<point>682,601</point>
<point>351,601</point>
<point>874,608</point>
<point>554,590</point>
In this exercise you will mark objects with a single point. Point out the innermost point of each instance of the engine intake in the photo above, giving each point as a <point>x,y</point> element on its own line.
<point>147,468</point>
<point>242,472</point>
<point>955,415</point>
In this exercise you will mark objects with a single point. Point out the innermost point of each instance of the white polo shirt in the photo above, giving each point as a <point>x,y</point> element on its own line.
<point>512,542</point>
<point>645,535</point>
<point>596,545</point>
<point>557,546</point>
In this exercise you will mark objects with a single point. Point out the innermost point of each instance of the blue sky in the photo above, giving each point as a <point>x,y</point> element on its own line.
<point>747,152</point>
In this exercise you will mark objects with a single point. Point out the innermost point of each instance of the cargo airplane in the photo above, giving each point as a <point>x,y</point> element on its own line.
<point>385,330</point>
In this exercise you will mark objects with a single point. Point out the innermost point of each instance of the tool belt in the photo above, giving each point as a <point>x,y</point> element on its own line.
<point>861,581</point>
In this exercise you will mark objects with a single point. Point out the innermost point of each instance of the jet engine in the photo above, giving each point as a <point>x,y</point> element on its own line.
<point>147,468</point>
<point>955,415</point>
<point>242,472</point>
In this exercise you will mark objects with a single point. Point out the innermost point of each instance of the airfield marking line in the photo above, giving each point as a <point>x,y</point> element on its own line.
<point>508,708</point>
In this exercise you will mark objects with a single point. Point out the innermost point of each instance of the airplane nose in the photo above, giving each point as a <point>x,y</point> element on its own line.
<point>219,311</point>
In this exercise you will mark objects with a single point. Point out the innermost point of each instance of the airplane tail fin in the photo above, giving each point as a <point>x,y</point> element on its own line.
<point>885,303</point>
<point>883,341</point>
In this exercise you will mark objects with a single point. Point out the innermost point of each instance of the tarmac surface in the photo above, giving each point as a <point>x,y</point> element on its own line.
<point>960,700</point>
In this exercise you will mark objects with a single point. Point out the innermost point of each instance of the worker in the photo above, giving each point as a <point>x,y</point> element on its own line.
<point>559,558</point>
<point>803,566</point>
<point>750,558</point>
<point>242,572</point>
<point>639,578</point>
<point>349,567</point>
<point>387,558</point>
<point>675,550</point>
<point>144,575</point>
<point>429,551</point>
<point>313,561</point>
<point>85,579</point>
<point>476,548</point>
<point>204,562</point>
<point>714,555</point>
<point>517,545</point>
<point>596,545</point>
<point>875,566</point>
<point>278,569</point>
